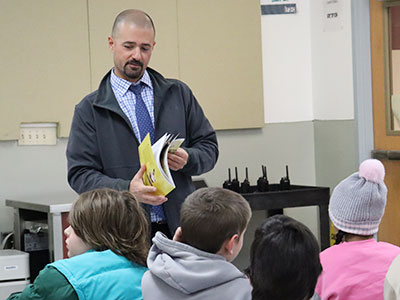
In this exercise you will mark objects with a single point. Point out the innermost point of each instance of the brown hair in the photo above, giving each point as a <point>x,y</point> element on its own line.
<point>210,216</point>
<point>110,219</point>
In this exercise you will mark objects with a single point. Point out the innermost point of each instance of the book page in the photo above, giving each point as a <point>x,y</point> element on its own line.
<point>153,175</point>
<point>175,144</point>
<point>159,148</point>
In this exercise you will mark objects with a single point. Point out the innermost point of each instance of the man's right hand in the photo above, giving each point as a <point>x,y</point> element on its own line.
<point>144,193</point>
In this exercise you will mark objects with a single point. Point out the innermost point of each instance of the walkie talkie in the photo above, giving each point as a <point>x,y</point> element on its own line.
<point>262,182</point>
<point>285,181</point>
<point>245,186</point>
<point>235,182</point>
<point>228,183</point>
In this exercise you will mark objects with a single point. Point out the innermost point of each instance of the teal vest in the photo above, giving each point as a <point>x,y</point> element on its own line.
<point>102,275</point>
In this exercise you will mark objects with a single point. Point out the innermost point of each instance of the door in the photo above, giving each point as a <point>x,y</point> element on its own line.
<point>386,131</point>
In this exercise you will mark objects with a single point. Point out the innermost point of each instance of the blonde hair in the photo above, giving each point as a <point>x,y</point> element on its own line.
<point>110,219</point>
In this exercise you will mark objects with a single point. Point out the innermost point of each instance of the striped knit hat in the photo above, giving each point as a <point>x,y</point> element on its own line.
<point>358,202</point>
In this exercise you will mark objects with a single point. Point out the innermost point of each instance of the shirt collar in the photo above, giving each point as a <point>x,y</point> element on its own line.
<point>123,85</point>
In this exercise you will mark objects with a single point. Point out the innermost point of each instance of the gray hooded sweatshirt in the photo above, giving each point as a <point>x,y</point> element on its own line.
<point>179,271</point>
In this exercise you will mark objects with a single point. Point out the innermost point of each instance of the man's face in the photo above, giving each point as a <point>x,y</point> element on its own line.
<point>132,47</point>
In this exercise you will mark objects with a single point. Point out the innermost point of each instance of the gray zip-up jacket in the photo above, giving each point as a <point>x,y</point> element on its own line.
<point>102,148</point>
<point>178,271</point>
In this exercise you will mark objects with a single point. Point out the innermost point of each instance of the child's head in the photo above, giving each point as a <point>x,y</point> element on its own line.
<point>109,219</point>
<point>214,220</point>
<point>284,260</point>
<point>358,202</point>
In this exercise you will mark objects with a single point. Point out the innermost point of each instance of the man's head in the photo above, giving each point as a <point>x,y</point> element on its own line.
<point>132,43</point>
<point>284,260</point>
<point>214,220</point>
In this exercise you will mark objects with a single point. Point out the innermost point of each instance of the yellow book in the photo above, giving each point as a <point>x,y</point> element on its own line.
<point>156,160</point>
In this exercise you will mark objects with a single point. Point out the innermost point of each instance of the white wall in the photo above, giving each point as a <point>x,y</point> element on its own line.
<point>30,170</point>
<point>308,75</point>
<point>332,65</point>
<point>307,68</point>
<point>286,46</point>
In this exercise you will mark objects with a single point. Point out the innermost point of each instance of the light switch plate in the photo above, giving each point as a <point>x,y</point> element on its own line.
<point>38,134</point>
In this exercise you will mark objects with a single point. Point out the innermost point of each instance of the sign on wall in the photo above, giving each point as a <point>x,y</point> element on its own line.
<point>332,15</point>
<point>278,7</point>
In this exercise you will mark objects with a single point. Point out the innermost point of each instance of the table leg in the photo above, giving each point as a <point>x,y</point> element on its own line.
<point>55,237</point>
<point>324,227</point>
<point>17,229</point>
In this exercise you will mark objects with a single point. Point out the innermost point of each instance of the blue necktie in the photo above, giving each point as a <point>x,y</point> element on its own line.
<point>142,114</point>
<point>146,126</point>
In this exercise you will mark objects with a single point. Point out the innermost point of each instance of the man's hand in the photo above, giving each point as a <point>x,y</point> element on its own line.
<point>178,159</point>
<point>144,193</point>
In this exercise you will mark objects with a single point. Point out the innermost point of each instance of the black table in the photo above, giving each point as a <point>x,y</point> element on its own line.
<point>276,200</point>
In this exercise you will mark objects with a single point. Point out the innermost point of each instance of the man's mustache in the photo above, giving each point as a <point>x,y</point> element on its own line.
<point>135,62</point>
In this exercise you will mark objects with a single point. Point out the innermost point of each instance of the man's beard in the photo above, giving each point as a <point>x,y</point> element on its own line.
<point>133,73</point>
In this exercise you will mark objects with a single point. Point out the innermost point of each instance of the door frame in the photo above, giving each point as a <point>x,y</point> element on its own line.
<point>362,77</point>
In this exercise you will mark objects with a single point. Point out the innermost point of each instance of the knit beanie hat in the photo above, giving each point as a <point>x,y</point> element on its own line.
<point>358,202</point>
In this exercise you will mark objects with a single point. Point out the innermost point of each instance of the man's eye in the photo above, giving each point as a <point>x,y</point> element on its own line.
<point>145,49</point>
<point>128,47</point>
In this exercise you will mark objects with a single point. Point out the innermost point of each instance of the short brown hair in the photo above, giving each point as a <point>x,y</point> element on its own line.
<point>110,219</point>
<point>210,216</point>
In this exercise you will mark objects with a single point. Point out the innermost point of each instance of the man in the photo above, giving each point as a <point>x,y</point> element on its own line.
<point>133,100</point>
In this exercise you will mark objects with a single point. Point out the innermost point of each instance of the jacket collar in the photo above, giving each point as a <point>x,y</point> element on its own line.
<point>106,98</point>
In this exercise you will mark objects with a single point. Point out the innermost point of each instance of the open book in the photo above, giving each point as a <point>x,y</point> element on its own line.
<point>156,160</point>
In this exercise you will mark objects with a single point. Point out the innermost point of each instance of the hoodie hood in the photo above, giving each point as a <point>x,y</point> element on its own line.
<point>188,269</point>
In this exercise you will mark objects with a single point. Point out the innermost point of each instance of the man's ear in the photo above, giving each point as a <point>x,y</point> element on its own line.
<point>230,243</point>
<point>111,43</point>
<point>178,235</point>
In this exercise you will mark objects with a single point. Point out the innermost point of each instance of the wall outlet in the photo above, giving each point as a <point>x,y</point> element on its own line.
<point>38,134</point>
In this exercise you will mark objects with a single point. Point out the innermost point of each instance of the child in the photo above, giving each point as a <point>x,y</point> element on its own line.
<point>355,268</point>
<point>284,260</point>
<point>196,264</point>
<point>107,245</point>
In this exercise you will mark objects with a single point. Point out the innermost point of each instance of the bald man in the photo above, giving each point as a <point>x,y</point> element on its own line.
<point>105,134</point>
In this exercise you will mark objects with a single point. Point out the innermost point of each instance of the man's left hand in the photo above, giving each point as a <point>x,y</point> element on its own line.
<point>178,159</point>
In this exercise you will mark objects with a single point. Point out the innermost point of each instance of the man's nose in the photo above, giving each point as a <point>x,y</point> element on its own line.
<point>136,54</point>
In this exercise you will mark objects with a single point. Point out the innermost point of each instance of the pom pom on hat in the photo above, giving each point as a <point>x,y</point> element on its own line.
<point>358,202</point>
<point>372,170</point>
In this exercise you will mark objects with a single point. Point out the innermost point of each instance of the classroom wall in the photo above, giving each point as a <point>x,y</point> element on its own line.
<point>332,64</point>
<point>309,121</point>
<point>287,62</point>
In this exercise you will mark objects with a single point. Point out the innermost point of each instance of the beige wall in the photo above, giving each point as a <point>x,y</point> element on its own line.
<point>44,61</point>
<point>56,52</point>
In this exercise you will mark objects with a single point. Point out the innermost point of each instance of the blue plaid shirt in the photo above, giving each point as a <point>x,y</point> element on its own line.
<point>127,100</point>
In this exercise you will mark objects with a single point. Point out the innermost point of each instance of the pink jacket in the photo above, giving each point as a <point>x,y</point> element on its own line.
<point>355,270</point>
